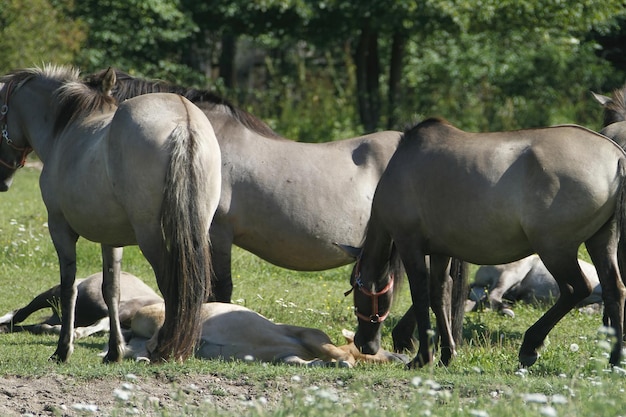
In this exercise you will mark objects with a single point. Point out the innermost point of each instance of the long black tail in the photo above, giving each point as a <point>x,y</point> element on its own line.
<point>187,269</point>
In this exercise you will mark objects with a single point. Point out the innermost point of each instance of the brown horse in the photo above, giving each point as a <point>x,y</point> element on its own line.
<point>147,173</point>
<point>233,332</point>
<point>493,198</point>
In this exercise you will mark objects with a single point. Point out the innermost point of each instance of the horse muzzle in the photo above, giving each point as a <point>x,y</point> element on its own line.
<point>6,184</point>
<point>367,345</point>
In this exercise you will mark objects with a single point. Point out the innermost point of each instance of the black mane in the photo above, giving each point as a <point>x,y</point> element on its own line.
<point>615,110</point>
<point>128,86</point>
<point>76,98</point>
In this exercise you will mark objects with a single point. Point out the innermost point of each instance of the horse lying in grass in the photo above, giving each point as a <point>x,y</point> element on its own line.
<point>228,331</point>
<point>91,310</point>
<point>233,332</point>
<point>527,280</point>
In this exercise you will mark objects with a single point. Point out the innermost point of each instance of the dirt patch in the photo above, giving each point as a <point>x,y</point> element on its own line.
<point>130,395</point>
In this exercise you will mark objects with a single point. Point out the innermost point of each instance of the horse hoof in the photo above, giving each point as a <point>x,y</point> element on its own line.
<point>527,360</point>
<point>507,312</point>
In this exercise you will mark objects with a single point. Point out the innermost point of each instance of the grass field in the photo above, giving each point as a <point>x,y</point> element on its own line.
<point>571,378</point>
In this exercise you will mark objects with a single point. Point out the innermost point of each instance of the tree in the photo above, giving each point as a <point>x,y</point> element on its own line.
<point>33,32</point>
<point>149,38</point>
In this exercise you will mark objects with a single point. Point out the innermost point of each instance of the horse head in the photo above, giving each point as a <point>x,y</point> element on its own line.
<point>373,296</point>
<point>614,108</point>
<point>13,148</point>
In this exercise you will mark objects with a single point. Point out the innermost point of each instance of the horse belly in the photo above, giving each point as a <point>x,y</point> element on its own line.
<point>295,226</point>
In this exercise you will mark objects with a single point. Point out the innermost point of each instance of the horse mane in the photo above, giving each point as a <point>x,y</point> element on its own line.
<point>128,86</point>
<point>411,130</point>
<point>76,99</point>
<point>393,267</point>
<point>615,109</point>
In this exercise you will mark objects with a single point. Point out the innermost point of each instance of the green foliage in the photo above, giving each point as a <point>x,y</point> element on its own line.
<point>467,81</point>
<point>35,31</point>
<point>149,38</point>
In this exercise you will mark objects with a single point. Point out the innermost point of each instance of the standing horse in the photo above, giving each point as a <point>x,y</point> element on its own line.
<point>286,201</point>
<point>146,173</point>
<point>492,198</point>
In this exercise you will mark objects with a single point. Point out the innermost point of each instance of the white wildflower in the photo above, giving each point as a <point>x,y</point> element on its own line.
<point>535,398</point>
<point>548,411</point>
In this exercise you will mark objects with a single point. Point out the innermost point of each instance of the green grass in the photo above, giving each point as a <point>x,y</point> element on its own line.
<point>570,378</point>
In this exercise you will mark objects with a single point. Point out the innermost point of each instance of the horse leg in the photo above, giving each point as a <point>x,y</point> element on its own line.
<point>573,287</point>
<point>221,253</point>
<point>8,322</point>
<point>417,271</point>
<point>64,239</point>
<point>459,272</point>
<point>402,333</point>
<point>319,344</point>
<point>440,299</point>
<point>603,256</point>
<point>111,271</point>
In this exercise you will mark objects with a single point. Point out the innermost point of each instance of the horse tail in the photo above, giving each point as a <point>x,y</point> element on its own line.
<point>620,214</point>
<point>459,271</point>
<point>187,266</point>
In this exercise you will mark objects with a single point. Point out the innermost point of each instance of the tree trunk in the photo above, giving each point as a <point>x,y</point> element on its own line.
<point>398,47</point>
<point>367,77</point>
<point>227,59</point>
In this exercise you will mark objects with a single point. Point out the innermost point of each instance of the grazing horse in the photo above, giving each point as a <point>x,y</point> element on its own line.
<point>492,198</point>
<point>233,332</point>
<point>526,280</point>
<point>146,172</point>
<point>285,201</point>
<point>91,314</point>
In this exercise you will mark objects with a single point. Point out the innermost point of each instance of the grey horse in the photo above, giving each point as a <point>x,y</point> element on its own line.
<point>527,280</point>
<point>91,314</point>
<point>146,172</point>
<point>492,198</point>
<point>289,202</point>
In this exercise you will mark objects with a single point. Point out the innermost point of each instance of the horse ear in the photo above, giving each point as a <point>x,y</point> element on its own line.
<point>349,250</point>
<point>604,100</point>
<point>348,335</point>
<point>108,81</point>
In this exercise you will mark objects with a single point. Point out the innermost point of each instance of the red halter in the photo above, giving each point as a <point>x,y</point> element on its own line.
<point>375,317</point>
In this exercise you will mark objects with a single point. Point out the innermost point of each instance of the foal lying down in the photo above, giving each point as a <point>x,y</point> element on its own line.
<point>91,311</point>
<point>232,332</point>
<point>229,331</point>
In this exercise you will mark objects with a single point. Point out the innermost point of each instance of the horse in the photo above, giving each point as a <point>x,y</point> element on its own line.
<point>492,198</point>
<point>286,201</point>
<point>146,172</point>
<point>91,314</point>
<point>233,332</point>
<point>526,280</point>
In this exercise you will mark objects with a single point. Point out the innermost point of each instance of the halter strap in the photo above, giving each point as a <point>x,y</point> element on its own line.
<point>375,317</point>
<point>4,134</point>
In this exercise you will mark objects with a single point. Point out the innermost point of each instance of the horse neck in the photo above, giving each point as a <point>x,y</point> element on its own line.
<point>376,255</point>
<point>32,109</point>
